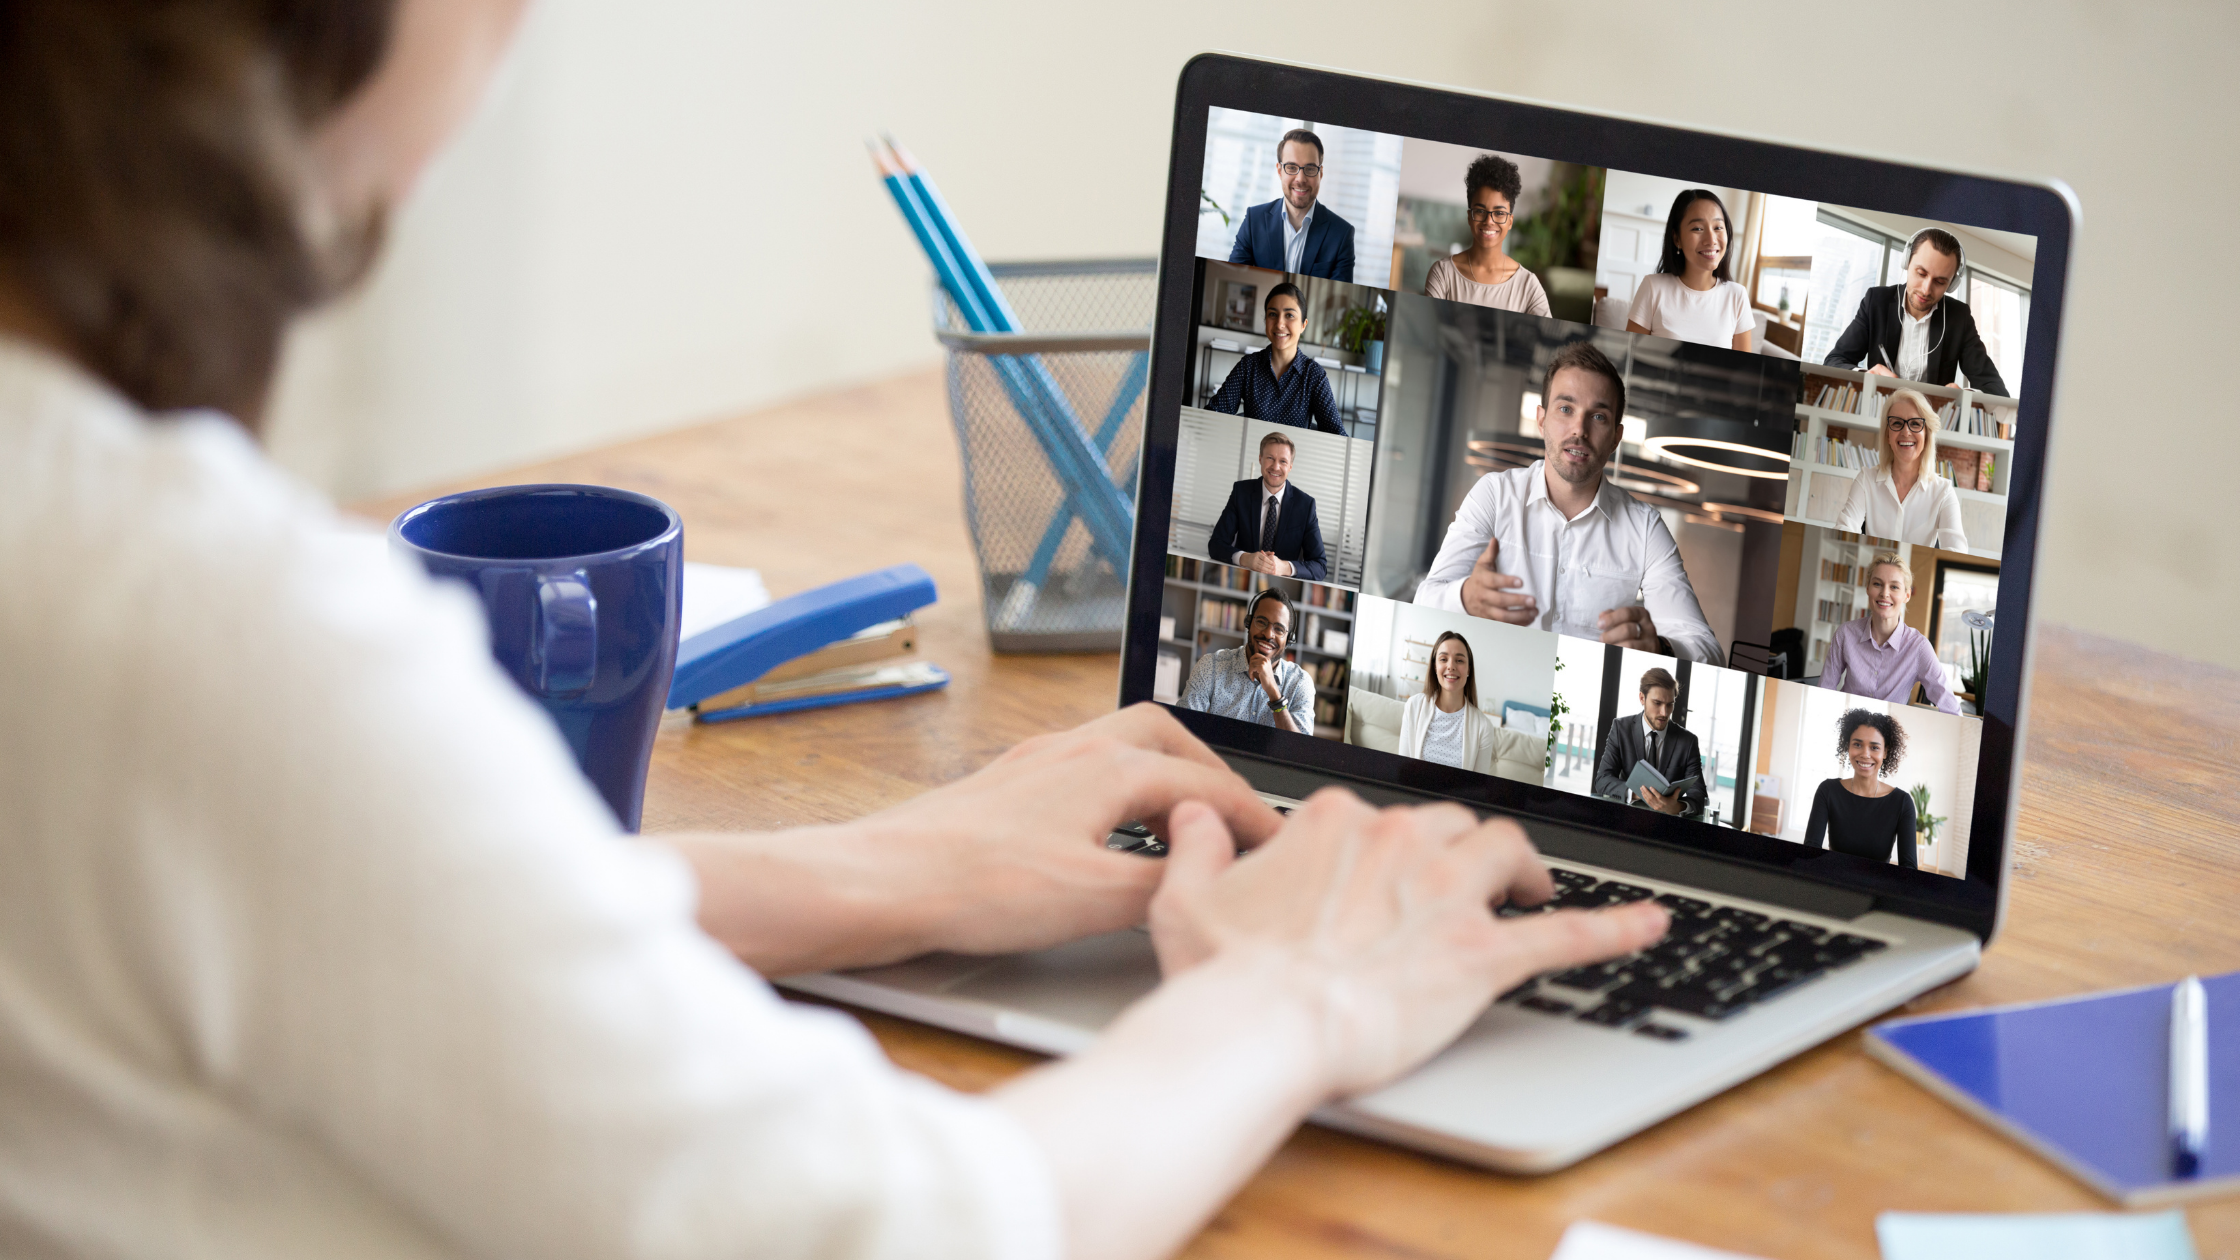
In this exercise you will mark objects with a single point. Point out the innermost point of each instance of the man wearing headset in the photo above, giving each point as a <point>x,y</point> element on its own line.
<point>1914,330</point>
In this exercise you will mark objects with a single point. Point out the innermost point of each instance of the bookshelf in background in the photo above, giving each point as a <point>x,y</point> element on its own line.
<point>1203,610</point>
<point>1839,436</point>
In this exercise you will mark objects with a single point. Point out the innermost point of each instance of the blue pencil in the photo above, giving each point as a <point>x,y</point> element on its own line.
<point>1102,506</point>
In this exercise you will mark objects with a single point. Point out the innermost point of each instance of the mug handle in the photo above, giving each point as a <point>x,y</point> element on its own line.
<point>565,652</point>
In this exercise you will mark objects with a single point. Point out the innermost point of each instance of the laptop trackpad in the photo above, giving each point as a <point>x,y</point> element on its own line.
<point>1085,984</point>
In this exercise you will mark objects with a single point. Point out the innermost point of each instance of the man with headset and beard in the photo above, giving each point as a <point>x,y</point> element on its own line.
<point>1914,330</point>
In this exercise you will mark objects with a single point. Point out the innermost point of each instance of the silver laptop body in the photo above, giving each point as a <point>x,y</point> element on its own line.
<point>1571,1063</point>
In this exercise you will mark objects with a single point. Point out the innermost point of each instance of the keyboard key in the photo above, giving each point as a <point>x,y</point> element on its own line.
<point>1615,1012</point>
<point>1687,906</point>
<point>1569,879</point>
<point>1660,1032</point>
<point>1591,979</point>
<point>1545,1004</point>
<point>1625,892</point>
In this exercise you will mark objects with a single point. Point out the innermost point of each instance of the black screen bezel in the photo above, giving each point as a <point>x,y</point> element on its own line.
<point>1414,111</point>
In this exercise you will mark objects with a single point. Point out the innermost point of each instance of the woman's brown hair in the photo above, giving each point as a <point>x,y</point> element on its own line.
<point>1469,680</point>
<point>156,200</point>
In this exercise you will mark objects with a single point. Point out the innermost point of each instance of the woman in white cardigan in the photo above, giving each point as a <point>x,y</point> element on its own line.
<point>1444,723</point>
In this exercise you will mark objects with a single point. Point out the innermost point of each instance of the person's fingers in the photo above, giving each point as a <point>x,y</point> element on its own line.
<point>1147,725</point>
<point>1502,581</point>
<point>1199,848</point>
<point>1151,785</point>
<point>1499,857</point>
<point>1562,939</point>
<point>1491,555</point>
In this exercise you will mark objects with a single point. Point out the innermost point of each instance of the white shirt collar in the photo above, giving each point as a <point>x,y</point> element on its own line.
<point>1267,494</point>
<point>1602,502</point>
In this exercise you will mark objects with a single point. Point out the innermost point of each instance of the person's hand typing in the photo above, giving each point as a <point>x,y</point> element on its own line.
<point>1492,594</point>
<point>1381,921</point>
<point>1011,857</point>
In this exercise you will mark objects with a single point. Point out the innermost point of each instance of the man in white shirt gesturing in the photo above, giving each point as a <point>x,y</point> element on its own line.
<point>1557,547</point>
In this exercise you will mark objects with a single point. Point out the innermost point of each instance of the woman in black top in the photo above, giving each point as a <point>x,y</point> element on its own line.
<point>1862,815</point>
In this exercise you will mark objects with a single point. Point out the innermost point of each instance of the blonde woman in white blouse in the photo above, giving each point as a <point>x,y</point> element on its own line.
<point>1443,722</point>
<point>1693,296</point>
<point>315,940</point>
<point>1902,497</point>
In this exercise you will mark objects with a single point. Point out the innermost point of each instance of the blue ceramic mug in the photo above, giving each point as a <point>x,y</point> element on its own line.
<point>582,586</point>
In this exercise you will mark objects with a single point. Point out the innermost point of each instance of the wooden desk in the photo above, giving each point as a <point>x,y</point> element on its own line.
<point>2124,874</point>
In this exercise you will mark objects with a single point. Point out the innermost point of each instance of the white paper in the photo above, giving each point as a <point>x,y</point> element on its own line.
<point>716,593</point>
<point>1593,1240</point>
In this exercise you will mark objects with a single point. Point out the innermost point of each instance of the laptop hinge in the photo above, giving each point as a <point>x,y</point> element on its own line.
<point>1579,844</point>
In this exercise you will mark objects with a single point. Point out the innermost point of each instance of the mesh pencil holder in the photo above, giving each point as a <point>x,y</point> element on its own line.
<point>1051,582</point>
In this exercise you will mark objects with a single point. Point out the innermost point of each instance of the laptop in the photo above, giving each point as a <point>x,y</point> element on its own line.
<point>1583,454</point>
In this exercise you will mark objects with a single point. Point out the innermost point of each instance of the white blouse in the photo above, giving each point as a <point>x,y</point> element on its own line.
<point>313,940</point>
<point>1667,307</point>
<point>1929,516</point>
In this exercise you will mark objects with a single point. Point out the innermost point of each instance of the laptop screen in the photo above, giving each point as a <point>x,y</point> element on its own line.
<point>1594,492</point>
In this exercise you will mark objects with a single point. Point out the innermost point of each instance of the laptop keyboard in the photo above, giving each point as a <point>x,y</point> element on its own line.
<point>1716,961</point>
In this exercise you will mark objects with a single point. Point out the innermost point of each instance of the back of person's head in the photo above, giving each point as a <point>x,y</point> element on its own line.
<point>1674,261</point>
<point>157,205</point>
<point>1300,135</point>
<point>1658,676</point>
<point>1470,662</point>
<point>1285,289</point>
<point>1585,357</point>
<point>1491,170</point>
<point>1935,238</point>
<point>1928,414</point>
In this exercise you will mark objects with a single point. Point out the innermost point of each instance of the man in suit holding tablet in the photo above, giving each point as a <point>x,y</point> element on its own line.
<point>1269,525</point>
<point>1652,736</point>
<point>1295,233</point>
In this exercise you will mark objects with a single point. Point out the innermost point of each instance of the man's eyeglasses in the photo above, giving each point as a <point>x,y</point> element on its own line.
<point>1906,424</point>
<point>1292,170</point>
<point>1479,214</point>
<point>1261,625</point>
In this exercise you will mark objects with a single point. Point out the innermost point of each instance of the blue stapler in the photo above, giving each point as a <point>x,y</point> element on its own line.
<point>837,644</point>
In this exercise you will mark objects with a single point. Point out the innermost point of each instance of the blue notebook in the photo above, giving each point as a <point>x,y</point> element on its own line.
<point>2083,1082</point>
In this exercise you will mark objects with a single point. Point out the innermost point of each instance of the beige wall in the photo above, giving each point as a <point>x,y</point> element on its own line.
<point>666,213</point>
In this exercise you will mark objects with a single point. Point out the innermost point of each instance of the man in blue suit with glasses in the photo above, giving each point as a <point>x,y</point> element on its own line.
<point>1295,233</point>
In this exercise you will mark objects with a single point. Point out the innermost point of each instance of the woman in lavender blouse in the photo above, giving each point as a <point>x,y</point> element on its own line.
<point>1881,657</point>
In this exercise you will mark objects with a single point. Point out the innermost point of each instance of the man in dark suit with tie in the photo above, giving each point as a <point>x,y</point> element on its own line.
<point>1296,233</point>
<point>1652,736</point>
<point>1269,525</point>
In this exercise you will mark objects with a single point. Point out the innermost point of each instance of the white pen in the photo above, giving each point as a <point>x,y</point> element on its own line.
<point>2189,1076</point>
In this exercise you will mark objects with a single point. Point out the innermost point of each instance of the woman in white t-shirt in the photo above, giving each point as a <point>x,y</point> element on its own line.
<point>1692,296</point>
<point>1443,722</point>
<point>1903,497</point>
<point>314,938</point>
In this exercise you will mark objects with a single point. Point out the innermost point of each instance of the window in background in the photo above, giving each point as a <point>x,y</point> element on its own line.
<point>1961,588</point>
<point>1579,683</point>
<point>1847,261</point>
<point>1363,184</point>
<point>1782,276</point>
<point>2002,312</point>
<point>1717,699</point>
